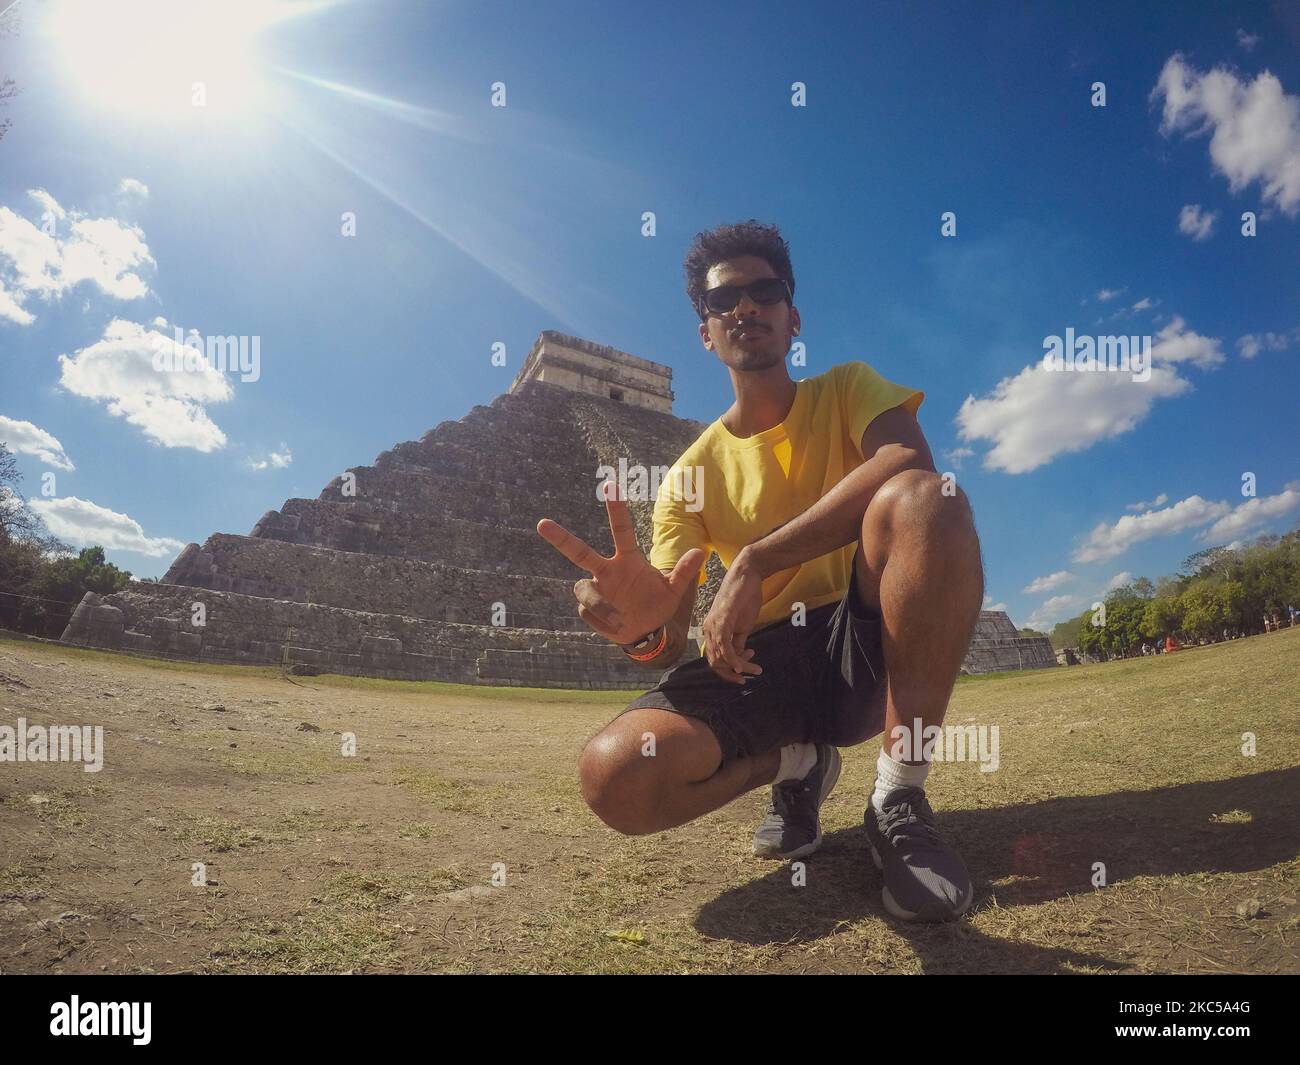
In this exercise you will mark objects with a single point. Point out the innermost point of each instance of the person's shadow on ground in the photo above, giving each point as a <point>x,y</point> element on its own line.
<point>1032,852</point>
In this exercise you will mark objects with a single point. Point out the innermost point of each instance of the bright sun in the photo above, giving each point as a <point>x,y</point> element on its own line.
<point>166,58</point>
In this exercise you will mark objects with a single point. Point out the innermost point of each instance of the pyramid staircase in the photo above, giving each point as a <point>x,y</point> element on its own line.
<point>426,564</point>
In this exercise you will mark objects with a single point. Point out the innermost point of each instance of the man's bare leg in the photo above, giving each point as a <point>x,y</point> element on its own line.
<point>918,563</point>
<point>638,793</point>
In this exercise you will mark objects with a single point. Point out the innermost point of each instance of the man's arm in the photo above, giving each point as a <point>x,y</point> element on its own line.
<point>893,442</point>
<point>678,627</point>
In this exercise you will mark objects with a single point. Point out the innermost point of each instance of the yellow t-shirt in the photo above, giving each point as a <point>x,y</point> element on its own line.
<point>726,492</point>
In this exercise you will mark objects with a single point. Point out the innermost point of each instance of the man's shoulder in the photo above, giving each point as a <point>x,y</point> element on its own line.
<point>850,368</point>
<point>701,446</point>
<point>860,377</point>
<point>835,378</point>
<point>837,375</point>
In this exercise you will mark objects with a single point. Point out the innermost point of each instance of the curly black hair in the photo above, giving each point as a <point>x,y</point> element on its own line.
<point>729,242</point>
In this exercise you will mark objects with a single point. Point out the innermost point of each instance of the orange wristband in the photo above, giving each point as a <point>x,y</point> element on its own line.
<point>646,655</point>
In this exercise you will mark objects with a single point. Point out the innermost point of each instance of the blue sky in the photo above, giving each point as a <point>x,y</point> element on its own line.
<point>478,224</point>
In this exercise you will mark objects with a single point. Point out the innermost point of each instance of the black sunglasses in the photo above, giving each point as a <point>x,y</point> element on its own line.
<point>725,298</point>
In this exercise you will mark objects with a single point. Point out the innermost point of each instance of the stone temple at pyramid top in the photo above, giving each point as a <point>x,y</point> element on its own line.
<point>598,370</point>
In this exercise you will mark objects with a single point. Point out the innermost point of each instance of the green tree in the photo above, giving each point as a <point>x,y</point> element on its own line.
<point>1066,633</point>
<point>41,578</point>
<point>1090,636</point>
<point>62,584</point>
<point>1204,609</point>
<point>16,520</point>
<point>1138,588</point>
<point>1267,577</point>
<point>1169,586</point>
<point>1161,616</point>
<point>1122,632</point>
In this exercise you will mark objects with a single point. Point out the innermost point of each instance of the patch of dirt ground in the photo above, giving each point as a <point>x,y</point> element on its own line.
<point>229,832</point>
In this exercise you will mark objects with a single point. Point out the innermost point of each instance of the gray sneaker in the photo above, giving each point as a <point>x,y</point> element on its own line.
<point>792,827</point>
<point>925,879</point>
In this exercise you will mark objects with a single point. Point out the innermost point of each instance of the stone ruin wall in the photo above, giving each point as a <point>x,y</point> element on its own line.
<point>997,646</point>
<point>581,366</point>
<point>400,578</point>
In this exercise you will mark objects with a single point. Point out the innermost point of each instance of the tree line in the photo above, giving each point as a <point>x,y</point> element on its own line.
<point>42,579</point>
<point>1217,589</point>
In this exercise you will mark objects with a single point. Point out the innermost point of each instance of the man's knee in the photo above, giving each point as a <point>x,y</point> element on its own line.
<point>916,499</point>
<point>620,782</point>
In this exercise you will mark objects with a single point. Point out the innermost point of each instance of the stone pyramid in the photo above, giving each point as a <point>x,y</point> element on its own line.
<point>427,564</point>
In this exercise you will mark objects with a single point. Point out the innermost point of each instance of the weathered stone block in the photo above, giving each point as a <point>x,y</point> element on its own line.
<point>187,643</point>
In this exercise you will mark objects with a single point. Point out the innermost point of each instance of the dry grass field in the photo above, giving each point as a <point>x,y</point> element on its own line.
<point>385,861</point>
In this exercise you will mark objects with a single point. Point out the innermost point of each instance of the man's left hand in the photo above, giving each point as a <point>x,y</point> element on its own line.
<point>731,617</point>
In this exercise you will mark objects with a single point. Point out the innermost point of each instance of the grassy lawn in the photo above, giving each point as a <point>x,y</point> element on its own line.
<point>1124,830</point>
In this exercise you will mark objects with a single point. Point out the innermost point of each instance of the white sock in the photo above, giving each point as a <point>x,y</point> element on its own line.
<point>891,775</point>
<point>797,761</point>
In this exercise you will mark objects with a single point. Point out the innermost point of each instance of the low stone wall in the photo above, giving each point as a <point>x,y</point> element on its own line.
<point>156,620</point>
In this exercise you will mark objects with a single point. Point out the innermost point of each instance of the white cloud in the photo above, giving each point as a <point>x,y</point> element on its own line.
<point>1176,343</point>
<point>1144,304</point>
<point>34,257</point>
<point>1108,294</point>
<point>990,605</point>
<point>104,251</point>
<point>83,523</point>
<point>10,307</point>
<point>1252,344</point>
<point>48,203</point>
<point>65,250</point>
<point>1045,584</point>
<point>1247,40</point>
<point>24,438</point>
<point>1248,517</point>
<point>169,405</point>
<point>1036,415</point>
<point>958,455</point>
<point>1107,541</point>
<point>277,459</point>
<point>1055,610</point>
<point>1195,223</point>
<point>131,187</point>
<point>1255,126</point>
<point>1159,500</point>
<point>1118,581</point>
<point>1039,414</point>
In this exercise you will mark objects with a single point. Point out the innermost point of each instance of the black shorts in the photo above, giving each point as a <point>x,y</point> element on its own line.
<point>822,682</point>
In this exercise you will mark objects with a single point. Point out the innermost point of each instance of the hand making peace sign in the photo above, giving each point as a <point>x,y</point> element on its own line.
<point>625,597</point>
